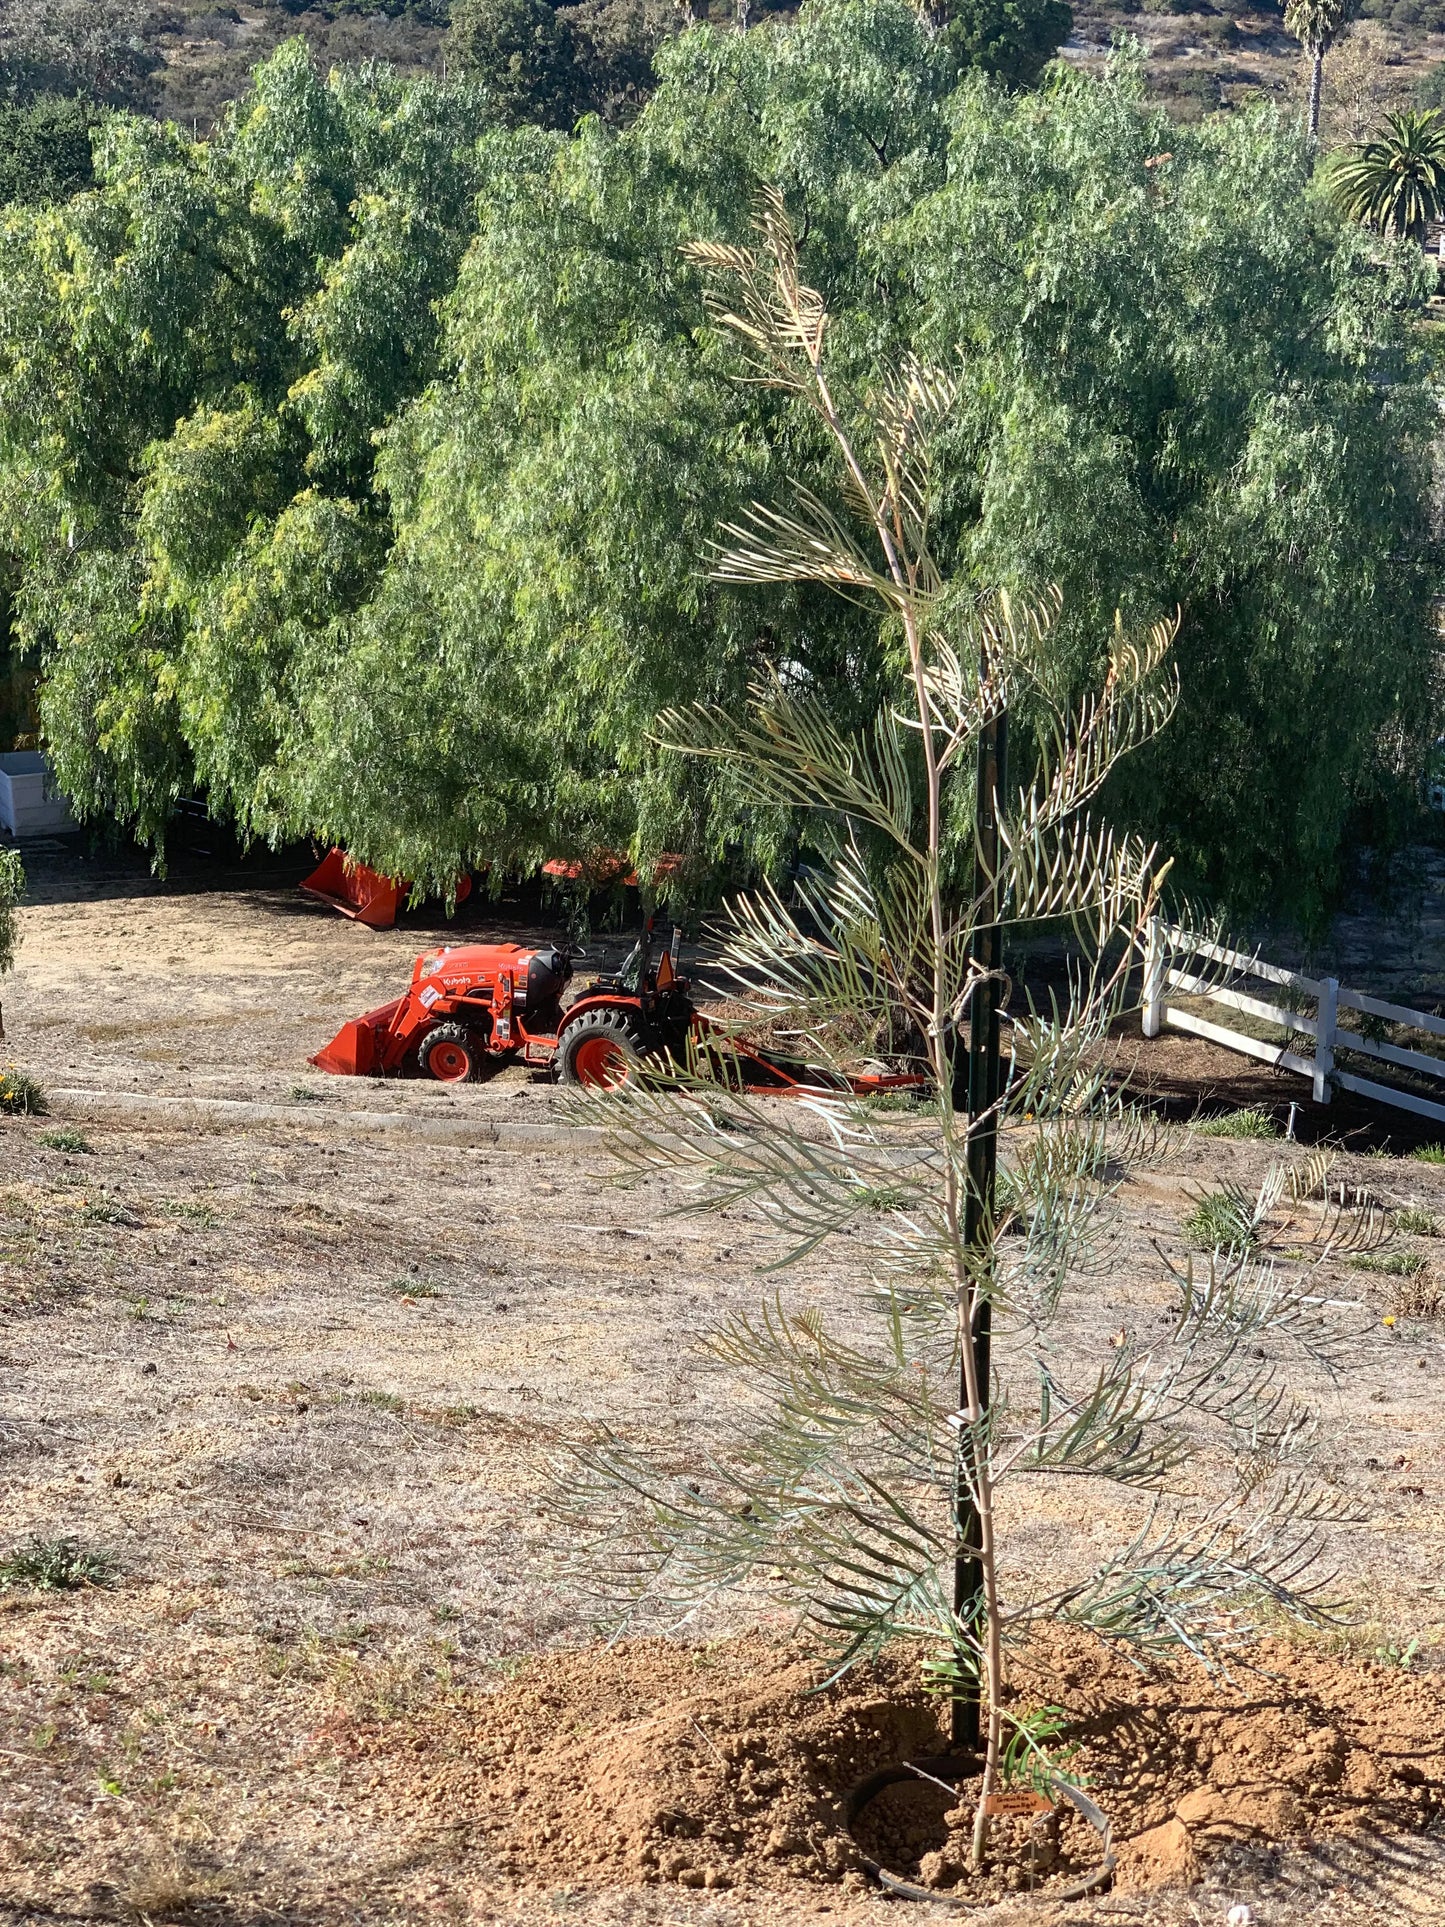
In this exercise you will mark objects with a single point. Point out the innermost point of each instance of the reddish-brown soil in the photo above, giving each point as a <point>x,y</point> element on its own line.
<point>724,1766</point>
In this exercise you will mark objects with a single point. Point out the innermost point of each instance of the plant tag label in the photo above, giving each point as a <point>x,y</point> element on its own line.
<point>1017,1802</point>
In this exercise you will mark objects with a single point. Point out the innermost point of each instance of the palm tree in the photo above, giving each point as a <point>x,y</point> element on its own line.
<point>1395,182</point>
<point>1314,24</point>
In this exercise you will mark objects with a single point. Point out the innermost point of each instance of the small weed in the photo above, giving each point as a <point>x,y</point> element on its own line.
<point>73,1141</point>
<point>444,1614</point>
<point>78,1669</point>
<point>57,1565</point>
<point>1391,1264</point>
<point>881,1198</point>
<point>109,1785</point>
<point>191,1210</point>
<point>1251,1123</point>
<point>20,1096</point>
<point>1416,1223</point>
<point>1219,1222</point>
<point>386,1401</point>
<point>303,1094</point>
<point>140,1308</point>
<point>415,1288</point>
<point>1430,1154</point>
<point>910,1099</point>
<point>106,1211</point>
<point>1392,1653</point>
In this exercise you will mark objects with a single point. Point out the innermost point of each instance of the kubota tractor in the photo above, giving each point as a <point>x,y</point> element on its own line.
<point>473,1001</point>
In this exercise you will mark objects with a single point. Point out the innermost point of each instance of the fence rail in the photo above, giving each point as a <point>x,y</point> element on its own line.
<point>1323,1029</point>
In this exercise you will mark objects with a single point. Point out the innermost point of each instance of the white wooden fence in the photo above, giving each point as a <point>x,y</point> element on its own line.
<point>1169,949</point>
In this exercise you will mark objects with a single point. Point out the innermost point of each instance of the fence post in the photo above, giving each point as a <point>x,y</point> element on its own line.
<point>1154,955</point>
<point>1325,1037</point>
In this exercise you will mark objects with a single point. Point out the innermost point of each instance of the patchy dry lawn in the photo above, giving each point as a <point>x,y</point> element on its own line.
<point>295,1350</point>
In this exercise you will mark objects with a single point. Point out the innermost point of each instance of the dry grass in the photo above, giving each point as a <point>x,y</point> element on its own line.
<point>305,1385</point>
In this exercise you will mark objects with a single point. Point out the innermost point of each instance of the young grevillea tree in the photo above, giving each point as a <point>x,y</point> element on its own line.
<point>862,1483</point>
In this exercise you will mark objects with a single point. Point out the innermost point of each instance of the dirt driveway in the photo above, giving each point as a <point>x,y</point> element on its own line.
<point>294,1351</point>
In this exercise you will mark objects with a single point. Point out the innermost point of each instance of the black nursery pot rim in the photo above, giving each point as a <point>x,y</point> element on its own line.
<point>955,1768</point>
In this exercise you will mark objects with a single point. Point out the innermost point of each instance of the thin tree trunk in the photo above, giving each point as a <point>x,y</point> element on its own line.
<point>974,1581</point>
<point>1316,76</point>
<point>982,1158</point>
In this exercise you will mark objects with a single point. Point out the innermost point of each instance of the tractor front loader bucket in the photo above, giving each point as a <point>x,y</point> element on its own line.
<point>355,891</point>
<point>357,1048</point>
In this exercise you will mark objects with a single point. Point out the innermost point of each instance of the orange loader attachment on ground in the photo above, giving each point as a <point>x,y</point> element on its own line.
<point>363,894</point>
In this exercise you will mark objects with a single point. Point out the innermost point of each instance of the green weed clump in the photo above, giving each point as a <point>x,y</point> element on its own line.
<point>1251,1123</point>
<point>20,1096</point>
<point>191,1210</point>
<point>1392,1264</point>
<point>66,1140</point>
<point>1416,1223</point>
<point>1430,1154</point>
<point>414,1288</point>
<point>1219,1222</point>
<point>58,1565</point>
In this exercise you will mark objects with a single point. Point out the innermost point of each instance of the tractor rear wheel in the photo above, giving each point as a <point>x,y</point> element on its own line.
<point>448,1054</point>
<point>604,1049</point>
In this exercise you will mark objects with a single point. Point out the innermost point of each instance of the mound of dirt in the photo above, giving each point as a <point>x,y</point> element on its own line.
<point>725,1765</point>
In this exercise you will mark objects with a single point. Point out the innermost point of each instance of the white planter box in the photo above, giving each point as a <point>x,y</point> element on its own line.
<point>30,804</point>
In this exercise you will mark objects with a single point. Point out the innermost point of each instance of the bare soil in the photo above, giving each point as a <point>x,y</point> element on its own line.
<point>297,1351</point>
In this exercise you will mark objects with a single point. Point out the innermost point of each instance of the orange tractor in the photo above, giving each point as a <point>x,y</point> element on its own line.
<point>469,1002</point>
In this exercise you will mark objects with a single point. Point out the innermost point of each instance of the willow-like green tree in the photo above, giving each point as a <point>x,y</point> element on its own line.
<point>354,468</point>
<point>856,1475</point>
<point>12,888</point>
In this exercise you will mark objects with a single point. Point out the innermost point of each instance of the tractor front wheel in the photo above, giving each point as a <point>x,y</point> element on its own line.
<point>448,1054</point>
<point>604,1049</point>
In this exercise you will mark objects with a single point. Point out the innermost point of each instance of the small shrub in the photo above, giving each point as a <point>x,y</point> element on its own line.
<point>1220,1221</point>
<point>1416,1223</point>
<point>1251,1123</point>
<point>1431,1154</point>
<point>303,1094</point>
<point>58,1565</point>
<point>1418,1296</point>
<point>20,1096</point>
<point>64,1140</point>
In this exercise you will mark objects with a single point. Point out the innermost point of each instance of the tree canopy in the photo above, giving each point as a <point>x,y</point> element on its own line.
<point>45,149</point>
<point>360,464</point>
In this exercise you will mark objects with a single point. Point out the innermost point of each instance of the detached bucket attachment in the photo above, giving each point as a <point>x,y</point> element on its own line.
<point>355,891</point>
<point>357,1048</point>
